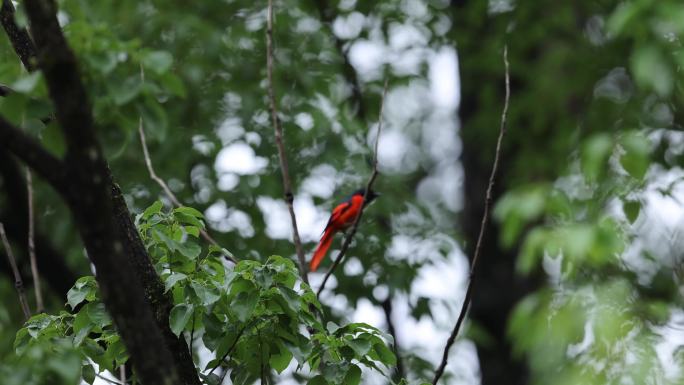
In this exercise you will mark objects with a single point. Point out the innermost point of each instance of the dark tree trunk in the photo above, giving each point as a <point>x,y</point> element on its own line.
<point>497,288</point>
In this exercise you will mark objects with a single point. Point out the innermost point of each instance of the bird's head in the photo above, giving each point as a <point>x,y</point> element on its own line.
<point>371,194</point>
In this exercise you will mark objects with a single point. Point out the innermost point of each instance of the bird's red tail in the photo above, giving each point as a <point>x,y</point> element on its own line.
<point>321,249</point>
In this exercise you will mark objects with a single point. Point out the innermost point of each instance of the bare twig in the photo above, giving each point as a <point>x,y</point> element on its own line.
<point>122,373</point>
<point>109,380</point>
<point>483,226</point>
<point>18,282</point>
<point>230,349</point>
<point>371,179</point>
<point>32,244</point>
<point>172,197</point>
<point>387,309</point>
<point>287,184</point>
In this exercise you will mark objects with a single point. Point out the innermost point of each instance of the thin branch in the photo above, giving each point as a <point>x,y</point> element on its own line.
<point>172,197</point>
<point>374,174</point>
<point>230,349</point>
<point>485,220</point>
<point>192,334</point>
<point>113,382</point>
<point>18,282</point>
<point>287,184</point>
<point>122,373</point>
<point>387,309</point>
<point>18,36</point>
<point>32,244</point>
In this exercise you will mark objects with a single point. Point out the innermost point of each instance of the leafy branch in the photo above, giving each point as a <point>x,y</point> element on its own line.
<point>169,194</point>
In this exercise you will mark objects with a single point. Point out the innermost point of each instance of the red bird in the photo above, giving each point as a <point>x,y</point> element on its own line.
<point>341,218</point>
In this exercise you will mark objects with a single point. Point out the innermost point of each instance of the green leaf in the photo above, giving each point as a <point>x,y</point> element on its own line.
<point>188,219</point>
<point>331,327</point>
<point>353,376</point>
<point>65,365</point>
<point>88,373</point>
<point>652,70</point>
<point>360,346</point>
<point>631,209</point>
<point>280,361</point>
<point>206,295</point>
<point>214,330</point>
<point>193,230</point>
<point>84,288</point>
<point>386,355</point>
<point>172,279</point>
<point>189,249</point>
<point>519,207</point>
<point>98,314</point>
<point>189,211</point>
<point>124,92</point>
<point>116,351</point>
<point>595,154</point>
<point>157,61</point>
<point>180,315</point>
<point>244,303</point>
<point>82,326</point>
<point>635,160</point>
<point>155,208</point>
<point>21,341</point>
<point>173,84</point>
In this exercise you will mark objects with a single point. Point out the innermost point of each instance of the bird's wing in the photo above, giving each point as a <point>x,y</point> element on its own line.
<point>337,213</point>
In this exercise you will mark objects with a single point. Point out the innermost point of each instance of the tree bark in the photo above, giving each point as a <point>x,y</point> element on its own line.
<point>129,286</point>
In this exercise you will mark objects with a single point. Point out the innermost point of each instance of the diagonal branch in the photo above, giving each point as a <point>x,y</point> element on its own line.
<point>374,174</point>
<point>33,154</point>
<point>18,36</point>
<point>485,221</point>
<point>287,184</point>
<point>172,197</point>
<point>18,282</point>
<point>399,372</point>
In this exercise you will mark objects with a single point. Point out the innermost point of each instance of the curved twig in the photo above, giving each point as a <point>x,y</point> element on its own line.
<point>287,184</point>
<point>374,174</point>
<point>172,197</point>
<point>18,282</point>
<point>485,220</point>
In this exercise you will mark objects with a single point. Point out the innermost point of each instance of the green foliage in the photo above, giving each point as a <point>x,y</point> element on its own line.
<point>256,317</point>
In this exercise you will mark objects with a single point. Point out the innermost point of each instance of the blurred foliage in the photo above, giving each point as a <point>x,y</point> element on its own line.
<point>594,128</point>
